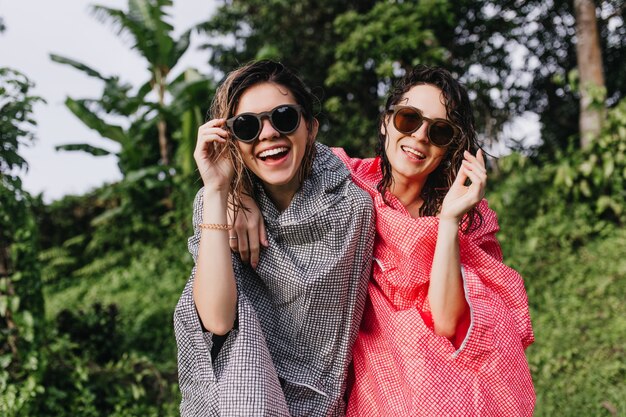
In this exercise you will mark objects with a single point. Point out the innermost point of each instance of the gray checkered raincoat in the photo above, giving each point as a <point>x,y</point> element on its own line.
<point>297,314</point>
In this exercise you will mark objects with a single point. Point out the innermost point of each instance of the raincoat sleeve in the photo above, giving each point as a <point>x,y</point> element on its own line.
<point>495,293</point>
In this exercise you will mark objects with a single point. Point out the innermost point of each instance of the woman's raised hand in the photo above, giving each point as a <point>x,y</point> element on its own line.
<point>211,157</point>
<point>461,198</point>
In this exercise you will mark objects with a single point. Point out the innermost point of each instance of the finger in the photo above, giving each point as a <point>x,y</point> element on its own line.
<point>477,161</point>
<point>476,169</point>
<point>244,249</point>
<point>215,123</point>
<point>232,242</point>
<point>474,173</point>
<point>480,156</point>
<point>476,190</point>
<point>209,130</point>
<point>263,235</point>
<point>212,135</point>
<point>461,176</point>
<point>253,244</point>
<point>239,230</point>
<point>207,146</point>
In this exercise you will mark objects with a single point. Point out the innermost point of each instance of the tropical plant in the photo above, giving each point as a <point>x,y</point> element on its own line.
<point>163,107</point>
<point>21,300</point>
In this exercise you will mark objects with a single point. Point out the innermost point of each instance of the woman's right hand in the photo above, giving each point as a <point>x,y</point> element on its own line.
<point>211,156</point>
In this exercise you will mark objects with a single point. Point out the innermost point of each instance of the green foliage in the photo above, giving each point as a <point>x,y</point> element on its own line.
<point>580,322</point>
<point>562,228</point>
<point>547,31</point>
<point>114,260</point>
<point>351,52</point>
<point>113,351</point>
<point>21,301</point>
<point>302,36</point>
<point>16,106</point>
<point>375,48</point>
<point>120,215</point>
<point>145,24</point>
<point>128,386</point>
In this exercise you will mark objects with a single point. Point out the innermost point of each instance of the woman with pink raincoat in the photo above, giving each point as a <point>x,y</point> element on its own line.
<point>446,323</point>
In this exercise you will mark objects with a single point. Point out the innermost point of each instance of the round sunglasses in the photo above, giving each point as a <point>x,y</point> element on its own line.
<point>246,127</point>
<point>408,119</point>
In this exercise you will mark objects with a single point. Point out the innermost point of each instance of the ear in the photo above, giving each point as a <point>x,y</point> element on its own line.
<point>384,124</point>
<point>315,125</point>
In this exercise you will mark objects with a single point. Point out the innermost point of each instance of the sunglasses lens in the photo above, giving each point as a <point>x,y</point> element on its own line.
<point>285,119</point>
<point>441,133</point>
<point>407,120</point>
<point>246,127</point>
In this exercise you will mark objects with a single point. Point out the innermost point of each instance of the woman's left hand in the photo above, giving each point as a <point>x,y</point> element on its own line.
<point>461,198</point>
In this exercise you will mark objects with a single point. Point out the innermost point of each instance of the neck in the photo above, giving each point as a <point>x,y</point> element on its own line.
<point>281,195</point>
<point>408,193</point>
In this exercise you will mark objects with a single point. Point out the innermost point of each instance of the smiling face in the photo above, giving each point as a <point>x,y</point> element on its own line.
<point>413,157</point>
<point>273,157</point>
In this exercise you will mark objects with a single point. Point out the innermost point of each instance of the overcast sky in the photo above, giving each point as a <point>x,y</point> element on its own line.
<point>36,28</point>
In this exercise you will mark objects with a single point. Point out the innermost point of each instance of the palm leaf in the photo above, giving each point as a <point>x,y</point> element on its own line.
<point>78,65</point>
<point>83,147</point>
<point>94,122</point>
<point>146,26</point>
<point>179,48</point>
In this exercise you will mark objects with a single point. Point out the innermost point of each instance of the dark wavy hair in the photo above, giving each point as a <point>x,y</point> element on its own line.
<point>459,112</point>
<point>226,101</point>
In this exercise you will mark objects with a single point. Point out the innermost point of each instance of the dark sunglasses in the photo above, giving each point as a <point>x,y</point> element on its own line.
<point>408,119</point>
<point>247,126</point>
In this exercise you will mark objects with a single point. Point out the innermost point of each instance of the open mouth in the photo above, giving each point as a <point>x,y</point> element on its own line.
<point>414,153</point>
<point>273,154</point>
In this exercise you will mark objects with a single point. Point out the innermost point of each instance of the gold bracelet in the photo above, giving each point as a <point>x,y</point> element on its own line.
<point>215,226</point>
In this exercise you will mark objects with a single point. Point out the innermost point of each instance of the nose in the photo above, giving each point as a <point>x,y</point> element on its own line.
<point>267,130</point>
<point>421,134</point>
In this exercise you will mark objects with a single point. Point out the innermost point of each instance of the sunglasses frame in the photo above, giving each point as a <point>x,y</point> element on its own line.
<point>260,116</point>
<point>397,108</point>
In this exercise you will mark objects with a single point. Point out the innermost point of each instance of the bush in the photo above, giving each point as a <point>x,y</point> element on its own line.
<point>562,229</point>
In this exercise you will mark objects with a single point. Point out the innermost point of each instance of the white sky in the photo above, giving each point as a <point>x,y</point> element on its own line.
<point>36,28</point>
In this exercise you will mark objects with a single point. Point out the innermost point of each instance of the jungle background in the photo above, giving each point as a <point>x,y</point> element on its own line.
<point>88,283</point>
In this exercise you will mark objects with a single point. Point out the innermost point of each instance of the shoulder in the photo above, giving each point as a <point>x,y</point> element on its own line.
<point>365,172</point>
<point>356,165</point>
<point>334,167</point>
<point>359,197</point>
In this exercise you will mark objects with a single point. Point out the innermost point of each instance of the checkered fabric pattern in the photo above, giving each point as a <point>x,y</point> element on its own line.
<point>402,368</point>
<point>298,313</point>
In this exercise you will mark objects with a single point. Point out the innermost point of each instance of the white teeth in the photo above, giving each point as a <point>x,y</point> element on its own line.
<point>414,152</point>
<point>271,152</point>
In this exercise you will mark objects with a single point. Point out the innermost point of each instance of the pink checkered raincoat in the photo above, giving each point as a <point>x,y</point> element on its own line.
<point>401,367</point>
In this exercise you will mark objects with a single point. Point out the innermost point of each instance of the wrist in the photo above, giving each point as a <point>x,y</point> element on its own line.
<point>449,224</point>
<point>214,206</point>
<point>215,194</point>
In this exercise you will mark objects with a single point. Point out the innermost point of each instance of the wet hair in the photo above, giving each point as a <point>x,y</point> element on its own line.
<point>226,101</point>
<point>459,112</point>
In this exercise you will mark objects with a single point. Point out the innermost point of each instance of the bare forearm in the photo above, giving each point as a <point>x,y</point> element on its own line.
<point>445,292</point>
<point>214,288</point>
